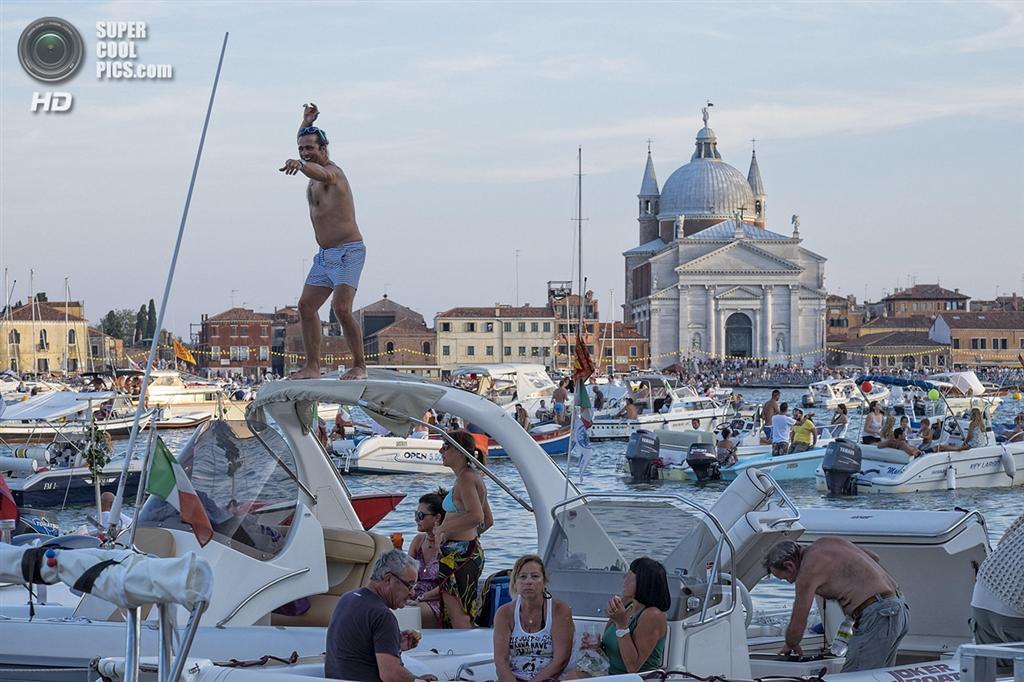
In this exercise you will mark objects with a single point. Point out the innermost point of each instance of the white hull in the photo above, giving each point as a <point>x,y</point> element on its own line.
<point>975,468</point>
<point>391,455</point>
<point>35,431</point>
<point>621,429</point>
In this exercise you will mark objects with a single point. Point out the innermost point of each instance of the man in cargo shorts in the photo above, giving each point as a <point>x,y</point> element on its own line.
<point>338,264</point>
<point>834,568</point>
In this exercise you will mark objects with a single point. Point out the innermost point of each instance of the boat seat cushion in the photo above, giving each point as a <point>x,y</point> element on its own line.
<point>890,455</point>
<point>350,558</point>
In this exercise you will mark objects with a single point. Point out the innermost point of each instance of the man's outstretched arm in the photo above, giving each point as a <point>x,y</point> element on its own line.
<point>310,112</point>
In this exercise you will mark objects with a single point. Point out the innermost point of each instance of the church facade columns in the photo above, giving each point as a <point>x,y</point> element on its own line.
<point>684,322</point>
<point>710,326</point>
<point>794,319</point>
<point>766,306</point>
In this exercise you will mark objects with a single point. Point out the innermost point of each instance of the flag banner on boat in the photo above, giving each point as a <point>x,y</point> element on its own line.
<point>582,365</point>
<point>581,446</point>
<point>582,400</point>
<point>168,481</point>
<point>183,353</point>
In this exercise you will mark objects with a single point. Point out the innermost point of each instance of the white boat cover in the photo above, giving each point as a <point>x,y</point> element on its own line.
<point>385,401</point>
<point>134,580</point>
<point>55,405</point>
<point>965,382</point>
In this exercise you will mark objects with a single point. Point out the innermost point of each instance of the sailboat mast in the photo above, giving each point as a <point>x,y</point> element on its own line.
<point>67,336</point>
<point>32,306</point>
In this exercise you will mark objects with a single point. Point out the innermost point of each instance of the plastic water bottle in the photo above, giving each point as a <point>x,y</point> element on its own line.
<point>841,642</point>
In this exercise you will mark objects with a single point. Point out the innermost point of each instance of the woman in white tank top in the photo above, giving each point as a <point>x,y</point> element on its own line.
<point>533,634</point>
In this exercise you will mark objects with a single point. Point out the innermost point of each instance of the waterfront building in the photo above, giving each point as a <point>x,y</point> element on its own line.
<point>708,279</point>
<point>236,341</point>
<point>494,334</point>
<point>621,348</point>
<point>40,338</point>
<point>924,299</point>
<point>105,349</point>
<point>843,319</point>
<point>981,339</point>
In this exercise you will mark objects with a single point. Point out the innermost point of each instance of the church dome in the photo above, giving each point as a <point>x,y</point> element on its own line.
<point>707,187</point>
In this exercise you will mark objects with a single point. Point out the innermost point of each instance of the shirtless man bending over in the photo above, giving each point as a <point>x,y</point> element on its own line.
<point>836,569</point>
<point>338,264</point>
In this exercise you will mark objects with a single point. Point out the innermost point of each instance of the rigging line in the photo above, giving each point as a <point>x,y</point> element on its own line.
<point>115,511</point>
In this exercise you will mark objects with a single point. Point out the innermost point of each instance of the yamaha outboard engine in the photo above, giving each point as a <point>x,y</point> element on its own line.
<point>703,459</point>
<point>840,465</point>
<point>643,455</point>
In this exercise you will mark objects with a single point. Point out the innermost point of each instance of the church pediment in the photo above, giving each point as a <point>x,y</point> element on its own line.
<point>739,256</point>
<point>740,294</point>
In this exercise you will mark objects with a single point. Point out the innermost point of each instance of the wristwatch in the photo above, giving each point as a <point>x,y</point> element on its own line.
<point>302,162</point>
<point>621,632</point>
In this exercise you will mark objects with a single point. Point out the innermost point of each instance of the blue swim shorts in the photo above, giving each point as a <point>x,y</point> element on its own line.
<point>340,265</point>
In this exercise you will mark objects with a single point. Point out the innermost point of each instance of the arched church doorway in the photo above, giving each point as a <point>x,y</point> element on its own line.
<point>739,335</point>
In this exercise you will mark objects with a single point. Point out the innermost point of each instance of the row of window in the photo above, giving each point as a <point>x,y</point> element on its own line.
<point>981,343</point>
<point>839,322</point>
<point>914,306</point>
<point>489,326</point>
<point>43,365</point>
<point>535,351</point>
<point>909,361</point>
<point>240,353</point>
<point>240,329</point>
<point>14,338</point>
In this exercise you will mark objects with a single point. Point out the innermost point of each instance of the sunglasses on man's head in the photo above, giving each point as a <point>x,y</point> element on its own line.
<point>313,130</point>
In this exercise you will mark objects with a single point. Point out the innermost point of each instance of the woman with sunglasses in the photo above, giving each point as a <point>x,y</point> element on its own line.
<point>467,515</point>
<point>425,550</point>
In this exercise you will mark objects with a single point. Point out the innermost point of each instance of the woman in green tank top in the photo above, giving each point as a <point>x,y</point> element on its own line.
<point>634,637</point>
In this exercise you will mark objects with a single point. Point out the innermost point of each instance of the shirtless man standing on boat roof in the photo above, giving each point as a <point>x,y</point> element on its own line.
<point>834,568</point>
<point>338,264</point>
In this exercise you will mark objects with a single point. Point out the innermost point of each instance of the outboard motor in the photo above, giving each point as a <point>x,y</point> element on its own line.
<point>703,459</point>
<point>643,455</point>
<point>840,465</point>
<point>807,399</point>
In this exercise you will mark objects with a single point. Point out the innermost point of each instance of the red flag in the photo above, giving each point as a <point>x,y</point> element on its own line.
<point>8,509</point>
<point>582,365</point>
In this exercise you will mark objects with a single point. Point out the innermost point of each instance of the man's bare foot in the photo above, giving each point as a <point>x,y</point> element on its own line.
<point>306,373</point>
<point>355,373</point>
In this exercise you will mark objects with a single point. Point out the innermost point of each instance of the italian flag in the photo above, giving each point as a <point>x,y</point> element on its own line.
<point>167,480</point>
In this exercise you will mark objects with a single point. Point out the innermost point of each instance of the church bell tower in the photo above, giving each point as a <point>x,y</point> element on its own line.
<point>650,198</point>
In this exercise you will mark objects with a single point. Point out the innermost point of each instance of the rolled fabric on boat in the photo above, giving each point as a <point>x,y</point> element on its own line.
<point>20,465</point>
<point>121,577</point>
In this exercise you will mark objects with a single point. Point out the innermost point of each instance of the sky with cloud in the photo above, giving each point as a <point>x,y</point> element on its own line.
<point>893,129</point>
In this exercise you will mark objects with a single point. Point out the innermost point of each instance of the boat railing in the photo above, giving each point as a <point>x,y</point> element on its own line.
<point>715,572</point>
<point>978,662</point>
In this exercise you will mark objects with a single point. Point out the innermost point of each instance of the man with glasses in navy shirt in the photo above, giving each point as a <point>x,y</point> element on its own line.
<point>363,639</point>
<point>339,262</point>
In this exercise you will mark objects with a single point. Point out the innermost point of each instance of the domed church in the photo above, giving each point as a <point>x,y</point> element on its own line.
<point>709,279</point>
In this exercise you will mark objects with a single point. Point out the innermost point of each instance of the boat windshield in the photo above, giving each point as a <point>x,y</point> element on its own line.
<point>243,475</point>
<point>610,532</point>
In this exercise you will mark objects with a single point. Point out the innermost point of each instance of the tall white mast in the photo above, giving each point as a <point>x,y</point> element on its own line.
<point>32,305</point>
<point>67,336</point>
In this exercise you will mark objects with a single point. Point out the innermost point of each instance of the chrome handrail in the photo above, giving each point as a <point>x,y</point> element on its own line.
<point>723,536</point>
<point>258,590</point>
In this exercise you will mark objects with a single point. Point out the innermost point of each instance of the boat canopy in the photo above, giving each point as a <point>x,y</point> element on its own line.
<point>384,404</point>
<point>54,405</point>
<point>966,382</point>
<point>896,381</point>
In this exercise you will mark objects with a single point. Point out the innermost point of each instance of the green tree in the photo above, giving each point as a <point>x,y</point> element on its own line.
<point>140,325</point>
<point>150,320</point>
<point>120,324</point>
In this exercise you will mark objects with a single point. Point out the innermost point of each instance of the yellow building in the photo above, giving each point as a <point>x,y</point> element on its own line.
<point>41,340</point>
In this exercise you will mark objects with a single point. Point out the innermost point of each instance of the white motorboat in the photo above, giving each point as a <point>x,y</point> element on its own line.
<point>43,417</point>
<point>507,384</point>
<point>887,470</point>
<point>659,406</point>
<point>962,391</point>
<point>174,395</point>
<point>831,393</point>
<point>380,454</point>
<point>286,540</point>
